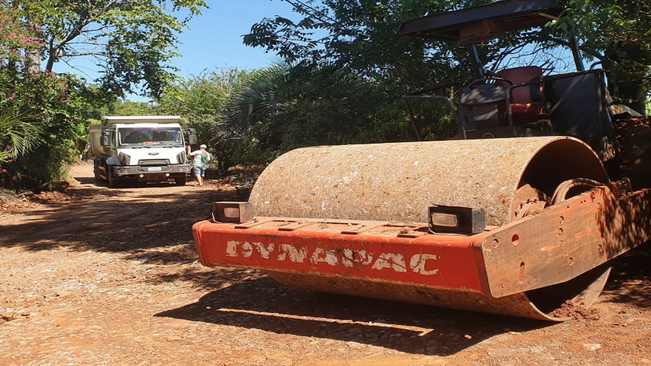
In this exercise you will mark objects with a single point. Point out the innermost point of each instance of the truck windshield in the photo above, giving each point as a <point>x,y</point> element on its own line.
<point>139,136</point>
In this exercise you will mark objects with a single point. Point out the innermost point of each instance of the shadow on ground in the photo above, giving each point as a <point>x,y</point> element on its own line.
<point>630,280</point>
<point>257,301</point>
<point>93,217</point>
<point>249,299</point>
<point>264,304</point>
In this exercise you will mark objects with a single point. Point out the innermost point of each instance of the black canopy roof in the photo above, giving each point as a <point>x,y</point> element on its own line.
<point>484,22</point>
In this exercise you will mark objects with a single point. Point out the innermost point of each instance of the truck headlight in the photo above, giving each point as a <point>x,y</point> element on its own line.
<point>124,159</point>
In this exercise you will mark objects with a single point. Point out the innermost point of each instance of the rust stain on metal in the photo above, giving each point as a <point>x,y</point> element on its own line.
<point>399,181</point>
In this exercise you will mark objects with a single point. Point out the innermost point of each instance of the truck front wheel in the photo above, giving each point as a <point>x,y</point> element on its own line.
<point>180,180</point>
<point>113,181</point>
<point>96,170</point>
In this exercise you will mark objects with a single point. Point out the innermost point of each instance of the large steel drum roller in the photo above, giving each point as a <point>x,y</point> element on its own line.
<point>399,181</point>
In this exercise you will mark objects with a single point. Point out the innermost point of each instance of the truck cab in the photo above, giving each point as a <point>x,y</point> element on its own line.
<point>140,149</point>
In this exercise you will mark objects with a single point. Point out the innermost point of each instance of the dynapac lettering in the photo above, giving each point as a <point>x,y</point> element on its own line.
<point>421,263</point>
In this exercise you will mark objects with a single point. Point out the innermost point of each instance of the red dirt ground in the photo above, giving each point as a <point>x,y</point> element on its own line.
<point>98,276</point>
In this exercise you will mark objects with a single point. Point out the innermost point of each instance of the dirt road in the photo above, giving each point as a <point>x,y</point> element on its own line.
<point>100,276</point>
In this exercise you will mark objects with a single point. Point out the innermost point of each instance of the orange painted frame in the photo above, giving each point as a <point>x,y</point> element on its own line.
<point>597,225</point>
<point>382,253</point>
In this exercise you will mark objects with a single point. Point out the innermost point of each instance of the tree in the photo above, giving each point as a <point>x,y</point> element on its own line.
<point>350,69</point>
<point>360,35</point>
<point>131,42</point>
<point>36,107</point>
<point>204,102</point>
<point>616,34</point>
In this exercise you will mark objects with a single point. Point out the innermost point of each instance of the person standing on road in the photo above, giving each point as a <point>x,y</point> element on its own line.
<point>201,160</point>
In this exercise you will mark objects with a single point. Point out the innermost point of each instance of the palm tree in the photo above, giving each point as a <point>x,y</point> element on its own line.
<point>259,97</point>
<point>17,134</point>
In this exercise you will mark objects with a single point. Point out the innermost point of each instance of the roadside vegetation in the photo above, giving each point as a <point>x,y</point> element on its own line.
<point>338,77</point>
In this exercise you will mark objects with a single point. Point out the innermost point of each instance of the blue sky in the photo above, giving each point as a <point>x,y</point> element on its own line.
<point>214,40</point>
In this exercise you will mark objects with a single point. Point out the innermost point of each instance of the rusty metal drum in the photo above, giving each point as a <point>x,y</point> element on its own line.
<point>399,181</point>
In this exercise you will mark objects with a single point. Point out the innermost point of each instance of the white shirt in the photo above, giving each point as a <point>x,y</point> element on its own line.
<point>198,155</point>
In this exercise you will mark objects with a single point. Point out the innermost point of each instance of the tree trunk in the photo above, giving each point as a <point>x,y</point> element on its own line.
<point>33,61</point>
<point>33,56</point>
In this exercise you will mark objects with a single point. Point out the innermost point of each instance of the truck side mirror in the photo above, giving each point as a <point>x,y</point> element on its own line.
<point>105,139</point>
<point>192,136</point>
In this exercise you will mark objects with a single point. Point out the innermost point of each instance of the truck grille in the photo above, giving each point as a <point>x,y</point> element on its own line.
<point>152,162</point>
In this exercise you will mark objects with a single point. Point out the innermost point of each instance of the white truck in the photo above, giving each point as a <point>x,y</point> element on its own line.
<point>140,149</point>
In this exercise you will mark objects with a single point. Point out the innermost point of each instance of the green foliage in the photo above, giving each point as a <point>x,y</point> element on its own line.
<point>204,101</point>
<point>329,105</point>
<point>285,107</point>
<point>40,110</point>
<point>55,108</point>
<point>205,96</point>
<point>361,36</point>
<point>128,108</point>
<point>131,42</point>
<point>17,138</point>
<point>616,34</point>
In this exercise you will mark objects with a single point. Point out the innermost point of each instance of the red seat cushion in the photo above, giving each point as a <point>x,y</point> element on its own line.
<point>521,75</point>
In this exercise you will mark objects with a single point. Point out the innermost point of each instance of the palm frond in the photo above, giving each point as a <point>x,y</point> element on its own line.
<point>20,135</point>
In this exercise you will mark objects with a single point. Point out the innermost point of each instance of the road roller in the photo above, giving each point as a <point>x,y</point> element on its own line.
<point>521,216</point>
